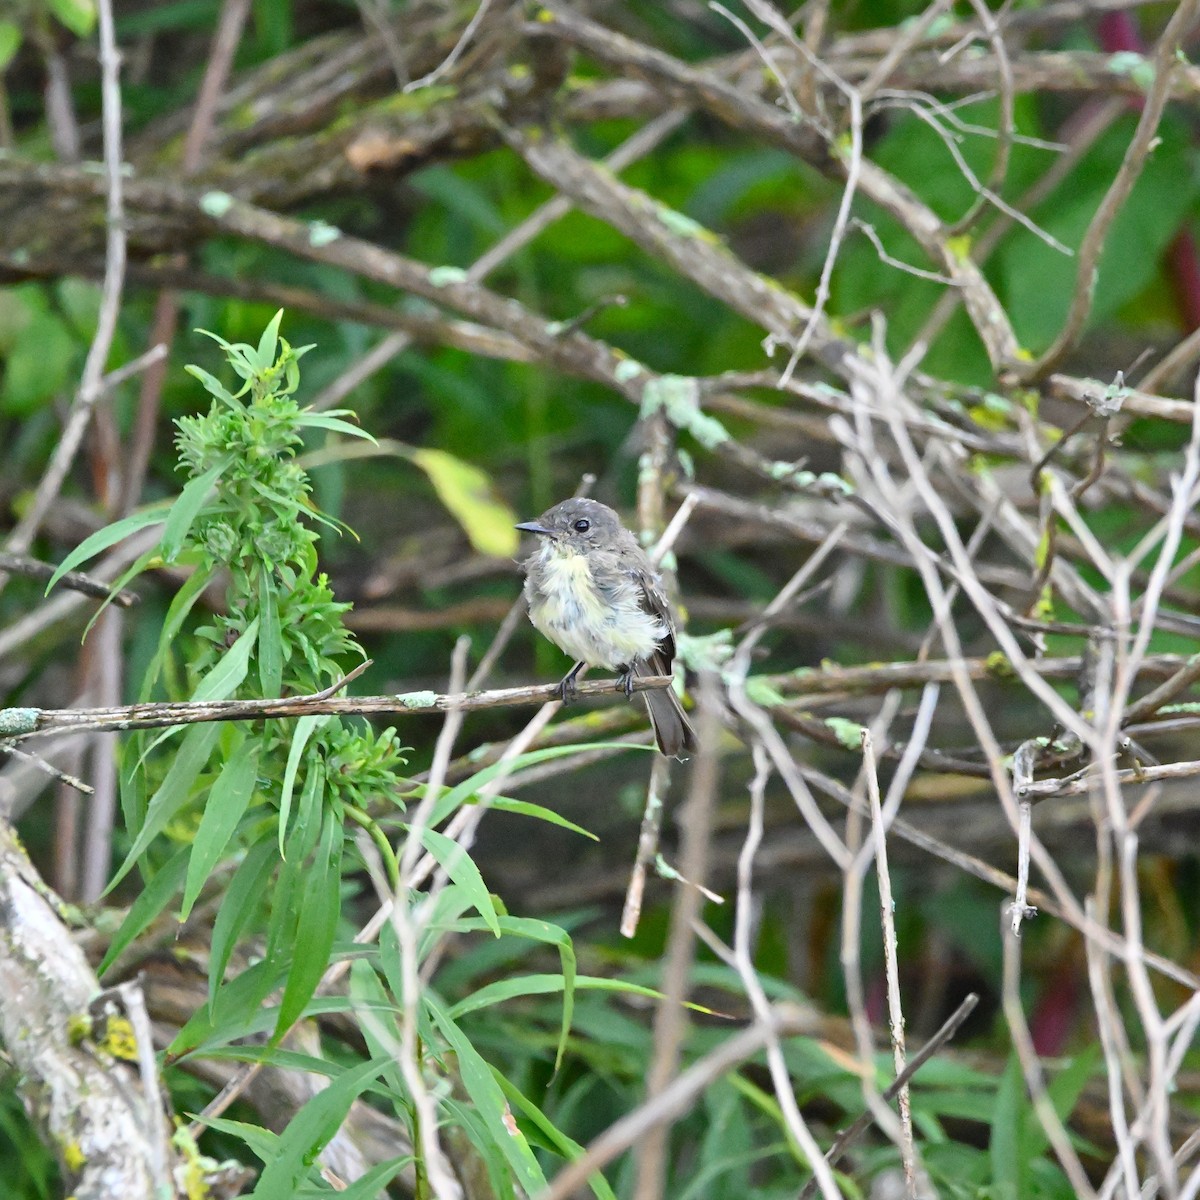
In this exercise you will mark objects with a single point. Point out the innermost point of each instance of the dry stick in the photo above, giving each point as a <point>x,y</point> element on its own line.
<point>757,717</point>
<point>1144,138</point>
<point>1004,882</point>
<point>1159,1077</point>
<point>1035,1080</point>
<point>983,246</point>
<point>632,149</point>
<point>853,1132</point>
<point>651,508</point>
<point>1159,1081</point>
<point>670,1104</point>
<point>62,606</point>
<point>1004,132</point>
<point>230,23</point>
<point>39,722</point>
<point>1108,1024</point>
<point>769,15</point>
<point>409,927</point>
<point>885,387</point>
<point>88,585</point>
<point>670,1019</point>
<point>1181,356</point>
<point>91,385</point>
<point>743,962</point>
<point>891,963</point>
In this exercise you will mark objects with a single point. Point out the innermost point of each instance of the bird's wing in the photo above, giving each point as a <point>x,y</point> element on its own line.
<point>654,601</point>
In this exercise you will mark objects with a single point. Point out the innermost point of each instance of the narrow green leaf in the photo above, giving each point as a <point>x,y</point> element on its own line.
<point>567,1147</point>
<point>182,603</point>
<point>525,809</point>
<point>230,672</point>
<point>1004,1146</point>
<point>173,793</point>
<point>187,508</point>
<point>488,1100</point>
<point>368,1186</point>
<point>262,1142</point>
<point>270,637</point>
<point>320,909</point>
<point>310,1129</point>
<point>305,728</point>
<point>458,864</point>
<point>314,420</point>
<point>243,899</point>
<point>110,535</point>
<point>269,342</point>
<point>130,573</point>
<point>226,805</point>
<point>461,793</point>
<point>551,935</point>
<point>150,902</point>
<point>212,385</point>
<point>236,1013</point>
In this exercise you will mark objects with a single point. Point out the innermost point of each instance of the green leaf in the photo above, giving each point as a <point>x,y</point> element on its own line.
<point>10,43</point>
<point>310,1129</point>
<point>269,342</point>
<point>79,16</point>
<point>130,573</point>
<point>230,672</point>
<point>243,898</point>
<point>488,1100</point>
<point>182,603</point>
<point>110,535</point>
<point>262,1142</point>
<point>226,805</point>
<point>525,809</point>
<point>368,1186</point>
<point>304,730</point>
<point>270,640</point>
<point>173,793</point>
<point>467,492</point>
<point>461,793</point>
<point>187,508</point>
<point>150,902</point>
<point>1004,1148</point>
<point>567,1147</point>
<point>320,908</point>
<point>458,864</point>
<point>313,420</point>
<point>551,935</point>
<point>212,385</point>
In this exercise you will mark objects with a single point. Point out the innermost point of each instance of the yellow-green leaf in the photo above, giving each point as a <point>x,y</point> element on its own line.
<point>466,491</point>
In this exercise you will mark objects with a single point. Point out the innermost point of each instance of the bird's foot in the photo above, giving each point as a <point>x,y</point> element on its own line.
<point>625,679</point>
<point>568,689</point>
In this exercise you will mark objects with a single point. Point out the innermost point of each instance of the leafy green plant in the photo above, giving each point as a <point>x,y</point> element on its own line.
<point>300,787</point>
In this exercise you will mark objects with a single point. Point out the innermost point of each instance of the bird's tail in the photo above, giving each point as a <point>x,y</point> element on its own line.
<point>672,730</point>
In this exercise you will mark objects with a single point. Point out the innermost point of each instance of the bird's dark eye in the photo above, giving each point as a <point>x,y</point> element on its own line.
<point>582,525</point>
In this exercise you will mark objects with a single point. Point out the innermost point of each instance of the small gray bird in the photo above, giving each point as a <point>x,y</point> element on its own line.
<point>594,593</point>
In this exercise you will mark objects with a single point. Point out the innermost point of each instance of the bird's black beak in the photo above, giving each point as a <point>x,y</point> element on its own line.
<point>534,527</point>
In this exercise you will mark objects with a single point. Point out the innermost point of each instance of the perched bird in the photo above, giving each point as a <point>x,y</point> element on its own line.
<point>594,593</point>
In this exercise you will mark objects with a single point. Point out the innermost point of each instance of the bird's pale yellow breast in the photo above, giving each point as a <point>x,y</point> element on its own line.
<point>608,629</point>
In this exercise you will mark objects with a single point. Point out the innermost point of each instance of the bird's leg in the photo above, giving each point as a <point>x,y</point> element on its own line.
<point>625,679</point>
<point>567,689</point>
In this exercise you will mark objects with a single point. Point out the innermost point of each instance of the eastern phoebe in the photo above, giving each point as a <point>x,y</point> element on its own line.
<point>595,594</point>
